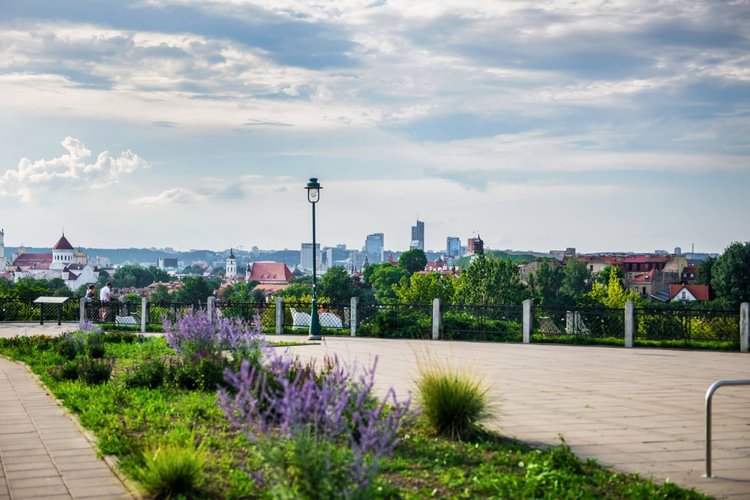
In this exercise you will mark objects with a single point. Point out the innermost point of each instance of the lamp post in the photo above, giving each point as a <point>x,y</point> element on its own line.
<point>313,196</point>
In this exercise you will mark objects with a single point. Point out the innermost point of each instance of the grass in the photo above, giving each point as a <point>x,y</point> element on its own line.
<point>132,423</point>
<point>172,471</point>
<point>453,403</point>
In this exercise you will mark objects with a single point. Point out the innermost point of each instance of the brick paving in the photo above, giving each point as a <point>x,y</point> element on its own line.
<point>638,410</point>
<point>43,452</point>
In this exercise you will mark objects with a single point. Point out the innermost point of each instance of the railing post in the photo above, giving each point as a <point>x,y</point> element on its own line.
<point>528,320</point>
<point>82,311</point>
<point>436,319</point>
<point>629,323</point>
<point>211,308</point>
<point>745,327</point>
<point>353,316</point>
<point>144,314</point>
<point>279,323</point>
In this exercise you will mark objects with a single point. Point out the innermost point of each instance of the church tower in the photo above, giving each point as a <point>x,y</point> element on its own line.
<point>230,271</point>
<point>62,253</point>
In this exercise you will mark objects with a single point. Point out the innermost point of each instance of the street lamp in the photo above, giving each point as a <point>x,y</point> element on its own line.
<point>313,196</point>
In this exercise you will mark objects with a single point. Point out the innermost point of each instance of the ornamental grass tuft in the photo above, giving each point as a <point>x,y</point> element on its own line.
<point>172,471</point>
<point>454,403</point>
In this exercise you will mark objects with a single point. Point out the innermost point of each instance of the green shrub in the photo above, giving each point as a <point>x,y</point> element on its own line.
<point>150,373</point>
<point>70,346</point>
<point>95,371</point>
<point>453,403</point>
<point>172,471</point>
<point>123,338</point>
<point>66,371</point>
<point>203,374</point>
<point>95,345</point>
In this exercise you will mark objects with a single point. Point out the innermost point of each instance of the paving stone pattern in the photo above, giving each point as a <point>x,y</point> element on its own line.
<point>639,410</point>
<point>43,453</point>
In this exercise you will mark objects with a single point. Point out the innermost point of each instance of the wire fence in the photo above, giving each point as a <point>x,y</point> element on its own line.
<point>333,317</point>
<point>248,311</point>
<point>585,323</point>
<point>687,325</point>
<point>502,323</point>
<point>412,321</point>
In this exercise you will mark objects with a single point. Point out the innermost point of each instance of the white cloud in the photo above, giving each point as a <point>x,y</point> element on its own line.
<point>169,197</point>
<point>72,171</point>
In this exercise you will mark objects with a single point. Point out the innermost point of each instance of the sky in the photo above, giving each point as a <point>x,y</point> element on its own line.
<point>195,124</point>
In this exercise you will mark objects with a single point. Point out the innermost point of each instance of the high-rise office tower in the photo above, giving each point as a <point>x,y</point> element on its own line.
<point>374,245</point>
<point>417,235</point>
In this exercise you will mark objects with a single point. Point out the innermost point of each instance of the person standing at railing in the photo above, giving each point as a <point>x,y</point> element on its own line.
<point>105,295</point>
<point>89,298</point>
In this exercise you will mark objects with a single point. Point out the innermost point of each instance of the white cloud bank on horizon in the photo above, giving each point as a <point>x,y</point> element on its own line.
<point>71,171</point>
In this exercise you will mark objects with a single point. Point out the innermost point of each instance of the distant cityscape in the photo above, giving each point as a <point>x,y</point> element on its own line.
<point>645,273</point>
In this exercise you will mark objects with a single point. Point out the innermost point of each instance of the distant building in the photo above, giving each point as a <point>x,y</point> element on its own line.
<point>271,276</point>
<point>453,246</point>
<point>306,256</point>
<point>688,293</point>
<point>374,246</point>
<point>63,262</point>
<point>167,263</point>
<point>230,269</point>
<point>475,246</point>
<point>2,250</point>
<point>417,236</point>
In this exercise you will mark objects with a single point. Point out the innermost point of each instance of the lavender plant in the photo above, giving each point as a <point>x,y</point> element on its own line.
<point>194,335</point>
<point>326,432</point>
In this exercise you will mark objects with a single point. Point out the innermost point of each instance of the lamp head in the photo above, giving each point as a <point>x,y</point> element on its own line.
<point>313,190</point>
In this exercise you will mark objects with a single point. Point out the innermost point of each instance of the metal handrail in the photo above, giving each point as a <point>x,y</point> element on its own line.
<point>710,394</point>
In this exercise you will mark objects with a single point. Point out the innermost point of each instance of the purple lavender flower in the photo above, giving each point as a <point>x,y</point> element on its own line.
<point>194,335</point>
<point>284,398</point>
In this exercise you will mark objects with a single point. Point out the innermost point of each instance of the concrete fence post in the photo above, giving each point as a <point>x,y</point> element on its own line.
<point>745,327</point>
<point>82,311</point>
<point>279,323</point>
<point>353,316</point>
<point>436,319</point>
<point>211,308</point>
<point>629,323</point>
<point>144,314</point>
<point>528,321</point>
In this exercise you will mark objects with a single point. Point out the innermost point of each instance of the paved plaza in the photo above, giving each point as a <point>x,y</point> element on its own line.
<point>639,410</point>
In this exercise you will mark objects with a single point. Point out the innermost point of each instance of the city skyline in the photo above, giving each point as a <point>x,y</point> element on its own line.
<point>605,126</point>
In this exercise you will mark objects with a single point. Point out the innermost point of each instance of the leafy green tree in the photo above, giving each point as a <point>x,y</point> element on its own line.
<point>424,288</point>
<point>490,281</point>
<point>6,288</point>
<point>195,290</point>
<point>704,273</point>
<point>577,279</point>
<point>242,292</point>
<point>160,296</point>
<point>219,271</point>
<point>546,283</point>
<point>384,278</point>
<point>613,294</point>
<point>296,291</point>
<point>159,275</point>
<point>336,284</point>
<point>731,274</point>
<point>606,275</point>
<point>30,289</point>
<point>413,260</point>
<point>58,288</point>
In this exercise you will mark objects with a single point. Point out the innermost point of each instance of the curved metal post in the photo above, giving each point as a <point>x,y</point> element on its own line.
<point>710,394</point>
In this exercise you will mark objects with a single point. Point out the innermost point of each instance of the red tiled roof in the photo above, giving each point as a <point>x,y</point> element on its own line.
<point>33,261</point>
<point>63,244</point>
<point>270,272</point>
<point>643,259</point>
<point>700,292</point>
<point>271,287</point>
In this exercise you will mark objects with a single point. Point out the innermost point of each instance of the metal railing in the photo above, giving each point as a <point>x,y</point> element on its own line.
<point>395,320</point>
<point>582,323</point>
<point>686,324</point>
<point>709,395</point>
<point>476,322</point>
<point>248,311</point>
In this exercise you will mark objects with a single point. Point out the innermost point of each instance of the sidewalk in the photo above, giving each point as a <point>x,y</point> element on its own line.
<point>638,410</point>
<point>43,452</point>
